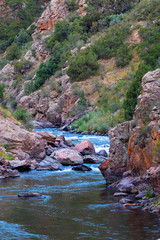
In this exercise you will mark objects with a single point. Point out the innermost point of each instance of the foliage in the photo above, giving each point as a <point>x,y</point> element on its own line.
<point>2,90</point>
<point>13,52</point>
<point>28,88</point>
<point>106,47</point>
<point>21,114</point>
<point>134,91</point>
<point>6,156</point>
<point>149,51</point>
<point>18,66</point>
<point>72,5</point>
<point>124,55</point>
<point>83,65</point>
<point>22,38</point>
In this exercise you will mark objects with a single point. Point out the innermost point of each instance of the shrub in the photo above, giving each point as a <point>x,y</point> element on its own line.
<point>28,88</point>
<point>106,47</point>
<point>124,56</point>
<point>13,52</point>
<point>2,90</point>
<point>22,38</point>
<point>83,65</point>
<point>116,18</point>
<point>134,91</point>
<point>21,114</point>
<point>18,66</point>
<point>72,5</point>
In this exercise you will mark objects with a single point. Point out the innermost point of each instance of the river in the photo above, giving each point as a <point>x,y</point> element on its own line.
<point>75,205</point>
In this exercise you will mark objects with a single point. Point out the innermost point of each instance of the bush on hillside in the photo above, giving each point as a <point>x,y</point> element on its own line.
<point>13,52</point>
<point>72,5</point>
<point>2,90</point>
<point>123,56</point>
<point>83,65</point>
<point>22,38</point>
<point>106,47</point>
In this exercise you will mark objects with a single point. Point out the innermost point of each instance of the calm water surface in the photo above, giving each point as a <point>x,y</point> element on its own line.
<point>75,205</point>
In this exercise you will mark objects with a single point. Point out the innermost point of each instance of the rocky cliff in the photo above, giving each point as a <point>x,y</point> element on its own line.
<point>135,145</point>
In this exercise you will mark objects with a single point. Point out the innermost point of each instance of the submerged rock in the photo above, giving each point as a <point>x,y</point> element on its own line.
<point>82,168</point>
<point>29,194</point>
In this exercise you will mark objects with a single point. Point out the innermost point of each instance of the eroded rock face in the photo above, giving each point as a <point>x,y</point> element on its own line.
<point>55,11</point>
<point>144,144</point>
<point>24,144</point>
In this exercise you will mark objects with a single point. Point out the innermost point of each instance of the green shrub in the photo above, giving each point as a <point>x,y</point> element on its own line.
<point>107,47</point>
<point>2,90</point>
<point>22,38</point>
<point>83,65</point>
<point>134,91</point>
<point>28,88</point>
<point>124,55</point>
<point>116,18</point>
<point>13,52</point>
<point>21,114</point>
<point>18,66</point>
<point>72,5</point>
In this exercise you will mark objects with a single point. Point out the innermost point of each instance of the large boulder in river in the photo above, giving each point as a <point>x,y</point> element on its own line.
<point>67,156</point>
<point>82,167</point>
<point>85,147</point>
<point>49,164</point>
<point>93,159</point>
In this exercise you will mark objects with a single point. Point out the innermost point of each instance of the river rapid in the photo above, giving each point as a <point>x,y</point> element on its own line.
<point>74,205</point>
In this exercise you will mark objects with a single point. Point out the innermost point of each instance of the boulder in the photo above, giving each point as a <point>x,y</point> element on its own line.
<point>102,153</point>
<point>85,147</point>
<point>6,173</point>
<point>21,166</point>
<point>49,137</point>
<point>93,159</point>
<point>29,194</point>
<point>49,164</point>
<point>67,156</point>
<point>82,168</point>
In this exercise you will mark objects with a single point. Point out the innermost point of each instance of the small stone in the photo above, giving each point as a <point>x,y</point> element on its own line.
<point>125,200</point>
<point>119,194</point>
<point>29,194</point>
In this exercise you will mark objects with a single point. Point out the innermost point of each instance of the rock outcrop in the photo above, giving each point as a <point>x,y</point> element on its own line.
<point>135,145</point>
<point>56,10</point>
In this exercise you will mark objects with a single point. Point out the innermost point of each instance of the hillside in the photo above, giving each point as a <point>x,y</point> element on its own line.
<point>77,66</point>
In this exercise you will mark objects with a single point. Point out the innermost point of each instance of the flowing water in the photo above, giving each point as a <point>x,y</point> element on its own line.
<point>75,205</point>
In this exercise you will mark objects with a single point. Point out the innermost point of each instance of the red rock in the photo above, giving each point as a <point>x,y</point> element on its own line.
<point>85,147</point>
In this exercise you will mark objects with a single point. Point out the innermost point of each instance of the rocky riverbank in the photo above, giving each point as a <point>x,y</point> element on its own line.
<point>135,149</point>
<point>22,150</point>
